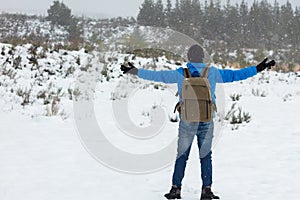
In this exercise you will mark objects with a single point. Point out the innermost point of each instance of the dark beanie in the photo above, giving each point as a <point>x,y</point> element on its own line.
<point>195,54</point>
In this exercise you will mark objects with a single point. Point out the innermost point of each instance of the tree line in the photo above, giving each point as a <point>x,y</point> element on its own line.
<point>260,25</point>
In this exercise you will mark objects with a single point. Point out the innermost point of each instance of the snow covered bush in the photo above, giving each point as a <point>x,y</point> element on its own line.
<point>117,96</point>
<point>235,97</point>
<point>236,116</point>
<point>34,76</point>
<point>259,92</point>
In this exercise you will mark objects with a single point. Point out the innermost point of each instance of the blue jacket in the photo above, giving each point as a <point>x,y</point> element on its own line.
<point>215,75</point>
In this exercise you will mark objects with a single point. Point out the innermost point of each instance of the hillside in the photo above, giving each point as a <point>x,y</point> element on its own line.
<point>72,123</point>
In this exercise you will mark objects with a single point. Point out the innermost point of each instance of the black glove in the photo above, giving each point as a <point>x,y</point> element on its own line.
<point>130,70</point>
<point>263,65</point>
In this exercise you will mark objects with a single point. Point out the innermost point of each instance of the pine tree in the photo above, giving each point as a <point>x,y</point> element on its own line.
<point>275,38</point>
<point>159,14</point>
<point>231,25</point>
<point>196,13</point>
<point>243,21</point>
<point>296,25</point>
<point>213,20</point>
<point>146,14</point>
<point>168,13</point>
<point>59,14</point>
<point>286,23</point>
<point>176,19</point>
<point>254,25</point>
<point>265,22</point>
<point>197,20</point>
<point>186,25</point>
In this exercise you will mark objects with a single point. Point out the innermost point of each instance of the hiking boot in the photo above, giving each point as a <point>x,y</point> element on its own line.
<point>208,194</point>
<point>174,193</point>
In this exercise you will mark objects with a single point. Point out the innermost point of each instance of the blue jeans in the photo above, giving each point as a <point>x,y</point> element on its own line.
<point>204,133</point>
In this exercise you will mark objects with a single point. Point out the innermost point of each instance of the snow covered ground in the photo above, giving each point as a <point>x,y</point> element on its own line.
<point>43,157</point>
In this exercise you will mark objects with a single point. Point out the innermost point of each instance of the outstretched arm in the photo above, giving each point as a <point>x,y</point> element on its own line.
<point>242,74</point>
<point>228,75</point>
<point>165,76</point>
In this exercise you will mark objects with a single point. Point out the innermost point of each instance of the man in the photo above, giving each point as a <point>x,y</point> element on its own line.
<point>203,130</point>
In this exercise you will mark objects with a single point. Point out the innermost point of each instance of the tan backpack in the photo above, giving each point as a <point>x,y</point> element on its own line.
<point>196,103</point>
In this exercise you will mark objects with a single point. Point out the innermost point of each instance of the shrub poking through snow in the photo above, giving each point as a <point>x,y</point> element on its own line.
<point>236,116</point>
<point>259,93</point>
<point>235,97</point>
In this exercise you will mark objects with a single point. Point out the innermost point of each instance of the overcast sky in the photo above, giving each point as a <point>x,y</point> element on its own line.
<point>93,8</point>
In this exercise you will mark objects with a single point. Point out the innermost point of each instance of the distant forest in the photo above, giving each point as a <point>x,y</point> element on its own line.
<point>261,25</point>
<point>229,32</point>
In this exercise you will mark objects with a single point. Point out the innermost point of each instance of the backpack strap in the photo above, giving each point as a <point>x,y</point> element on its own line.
<point>186,73</point>
<point>205,72</point>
